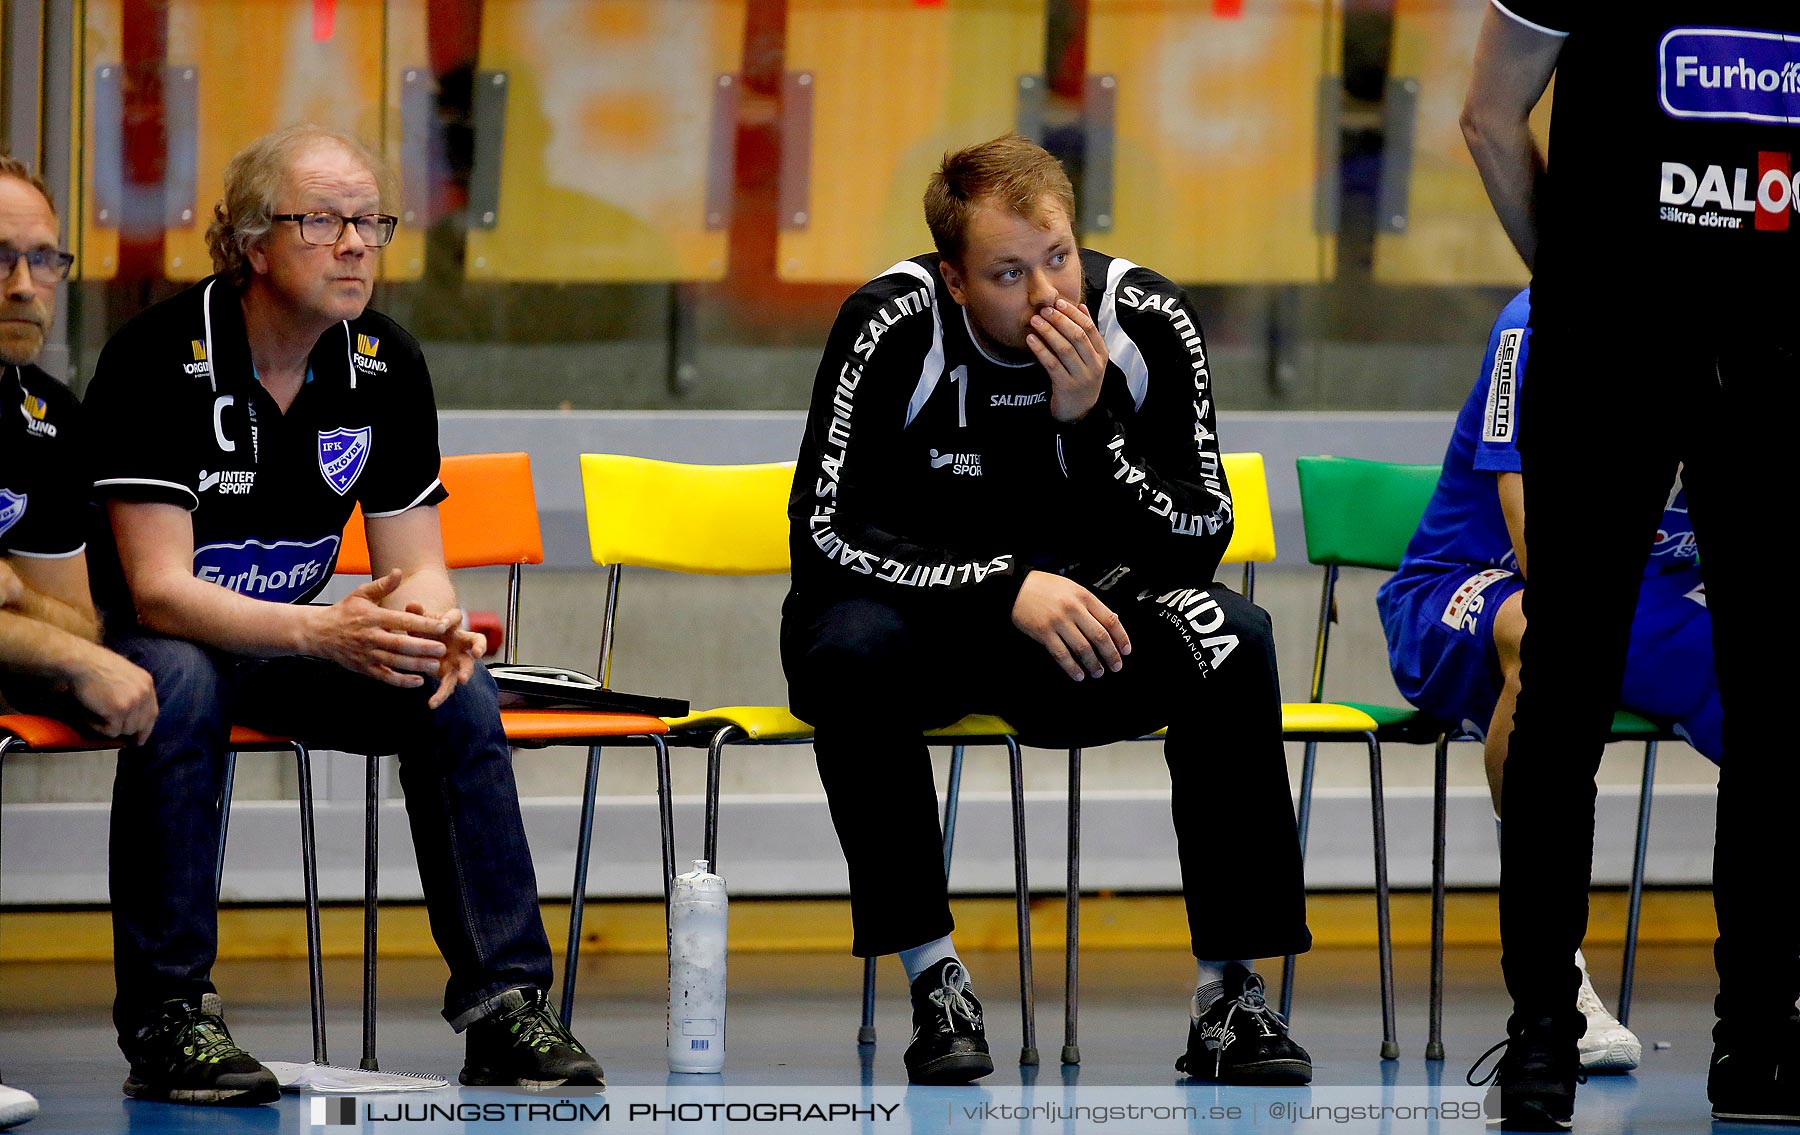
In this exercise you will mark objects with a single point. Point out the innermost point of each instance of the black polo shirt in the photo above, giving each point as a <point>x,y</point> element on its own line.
<point>1674,157</point>
<point>177,415</point>
<point>43,492</point>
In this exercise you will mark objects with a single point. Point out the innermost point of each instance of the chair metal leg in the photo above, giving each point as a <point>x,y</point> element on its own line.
<point>371,900</point>
<point>952,792</point>
<point>1629,969</point>
<point>1390,1047</point>
<point>584,843</point>
<point>1071,1051</point>
<point>865,1033</point>
<point>1440,804</point>
<point>1028,1052</point>
<point>309,866</point>
<point>715,754</point>
<point>665,801</point>
<point>1303,821</point>
<point>224,820</point>
<point>5,745</point>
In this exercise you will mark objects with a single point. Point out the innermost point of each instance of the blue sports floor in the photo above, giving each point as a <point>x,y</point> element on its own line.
<point>792,1030</point>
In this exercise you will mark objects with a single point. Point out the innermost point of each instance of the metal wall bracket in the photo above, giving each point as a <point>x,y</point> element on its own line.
<point>721,152</point>
<point>489,114</point>
<point>1399,122</point>
<point>418,117</point>
<point>1328,190</point>
<point>174,204</point>
<point>1100,135</point>
<point>1034,97</point>
<point>796,150</point>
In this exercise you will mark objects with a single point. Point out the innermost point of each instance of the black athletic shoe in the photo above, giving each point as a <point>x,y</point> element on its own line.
<point>1534,1082</point>
<point>1757,1080</point>
<point>186,1055</point>
<point>525,1045</point>
<point>1240,1040</point>
<point>948,1043</point>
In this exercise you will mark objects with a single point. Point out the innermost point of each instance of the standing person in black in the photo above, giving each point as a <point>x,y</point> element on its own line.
<point>235,426</point>
<point>1009,499</point>
<point>1670,188</point>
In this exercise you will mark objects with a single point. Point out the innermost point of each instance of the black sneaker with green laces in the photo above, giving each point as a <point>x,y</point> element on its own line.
<point>524,1044</point>
<point>1238,1039</point>
<point>186,1055</point>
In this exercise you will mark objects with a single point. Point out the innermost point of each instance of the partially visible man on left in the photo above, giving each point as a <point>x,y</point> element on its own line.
<point>234,427</point>
<point>50,658</point>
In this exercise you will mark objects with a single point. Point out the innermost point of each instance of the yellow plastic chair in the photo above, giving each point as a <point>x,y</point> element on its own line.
<point>732,520</point>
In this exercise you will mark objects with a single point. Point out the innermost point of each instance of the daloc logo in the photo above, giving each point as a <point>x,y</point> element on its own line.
<point>12,506</point>
<point>283,572</point>
<point>342,455</point>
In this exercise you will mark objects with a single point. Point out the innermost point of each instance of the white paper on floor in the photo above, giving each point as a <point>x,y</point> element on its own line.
<point>331,1078</point>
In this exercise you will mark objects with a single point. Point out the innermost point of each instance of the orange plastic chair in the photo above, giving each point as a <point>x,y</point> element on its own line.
<point>489,520</point>
<point>31,733</point>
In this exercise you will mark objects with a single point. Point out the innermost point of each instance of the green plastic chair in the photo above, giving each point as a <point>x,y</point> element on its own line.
<point>1363,514</point>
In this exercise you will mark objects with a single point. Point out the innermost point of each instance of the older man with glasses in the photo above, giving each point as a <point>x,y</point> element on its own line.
<point>236,425</point>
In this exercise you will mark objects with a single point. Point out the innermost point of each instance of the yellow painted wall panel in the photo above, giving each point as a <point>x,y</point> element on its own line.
<point>895,85</point>
<point>1216,171</point>
<point>407,51</point>
<point>1452,235</point>
<point>259,67</point>
<point>92,238</point>
<point>608,118</point>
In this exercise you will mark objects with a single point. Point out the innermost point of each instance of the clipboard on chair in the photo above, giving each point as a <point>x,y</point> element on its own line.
<point>553,687</point>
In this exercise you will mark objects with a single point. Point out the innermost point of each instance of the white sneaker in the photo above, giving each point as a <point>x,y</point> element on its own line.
<point>16,1106</point>
<point>1607,1045</point>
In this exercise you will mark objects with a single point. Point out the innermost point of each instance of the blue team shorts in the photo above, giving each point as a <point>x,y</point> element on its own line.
<point>1669,668</point>
<point>1439,627</point>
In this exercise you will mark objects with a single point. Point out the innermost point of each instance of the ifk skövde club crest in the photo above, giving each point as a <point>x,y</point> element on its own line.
<point>12,506</point>
<point>342,455</point>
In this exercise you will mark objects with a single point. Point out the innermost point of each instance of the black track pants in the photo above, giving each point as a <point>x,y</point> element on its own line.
<point>1609,416</point>
<point>871,678</point>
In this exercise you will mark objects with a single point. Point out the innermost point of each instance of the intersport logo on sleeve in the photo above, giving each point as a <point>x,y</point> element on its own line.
<point>1731,73</point>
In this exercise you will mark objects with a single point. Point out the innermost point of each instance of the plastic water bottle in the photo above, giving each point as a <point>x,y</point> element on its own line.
<point>697,920</point>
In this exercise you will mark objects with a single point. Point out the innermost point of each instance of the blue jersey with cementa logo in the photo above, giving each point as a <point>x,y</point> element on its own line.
<point>1464,526</point>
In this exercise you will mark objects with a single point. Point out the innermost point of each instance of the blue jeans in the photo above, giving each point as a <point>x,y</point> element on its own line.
<point>461,801</point>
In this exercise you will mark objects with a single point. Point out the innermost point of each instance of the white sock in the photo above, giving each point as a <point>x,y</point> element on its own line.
<point>1209,984</point>
<point>921,958</point>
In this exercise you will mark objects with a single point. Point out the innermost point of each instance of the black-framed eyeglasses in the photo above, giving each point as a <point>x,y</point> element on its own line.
<point>48,266</point>
<point>319,227</point>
